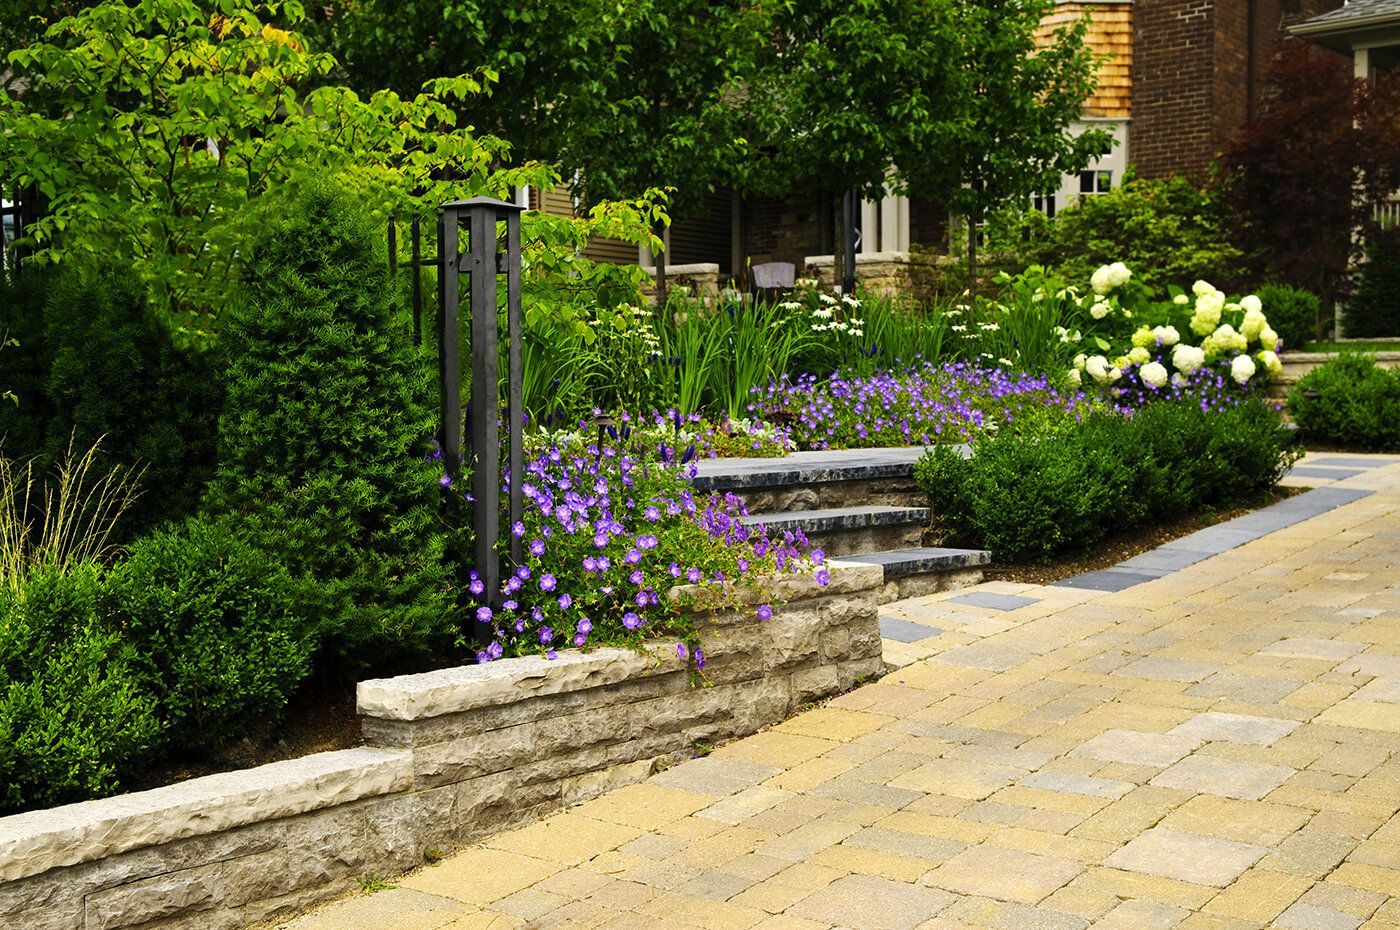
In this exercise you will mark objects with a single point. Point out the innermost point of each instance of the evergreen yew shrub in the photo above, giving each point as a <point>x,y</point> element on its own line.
<point>322,442</point>
<point>1374,307</point>
<point>95,362</point>
<point>1292,312</point>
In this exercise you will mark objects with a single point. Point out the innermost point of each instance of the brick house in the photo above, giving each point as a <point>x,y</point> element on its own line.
<point>1180,76</point>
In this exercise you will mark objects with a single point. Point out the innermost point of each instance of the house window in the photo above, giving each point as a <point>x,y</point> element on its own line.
<point>1093,183</point>
<point>1044,203</point>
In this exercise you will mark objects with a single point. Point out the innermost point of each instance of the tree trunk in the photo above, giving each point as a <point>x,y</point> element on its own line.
<point>972,257</point>
<point>660,259</point>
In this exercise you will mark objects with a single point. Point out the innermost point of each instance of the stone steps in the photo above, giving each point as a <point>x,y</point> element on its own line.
<point>840,531</point>
<point>925,569</point>
<point>858,505</point>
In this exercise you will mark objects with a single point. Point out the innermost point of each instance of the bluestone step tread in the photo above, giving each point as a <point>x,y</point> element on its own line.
<point>921,559</point>
<point>839,518</point>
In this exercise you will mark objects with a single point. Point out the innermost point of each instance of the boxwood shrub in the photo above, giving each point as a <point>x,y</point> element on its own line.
<point>1030,496</point>
<point>1350,401</point>
<point>75,712</point>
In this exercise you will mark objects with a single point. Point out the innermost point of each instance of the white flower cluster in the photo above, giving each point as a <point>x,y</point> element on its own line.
<point>1108,277</point>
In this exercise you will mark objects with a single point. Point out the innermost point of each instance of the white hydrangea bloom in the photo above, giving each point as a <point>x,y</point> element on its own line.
<point>1242,369</point>
<point>1139,356</point>
<point>1200,288</point>
<point>1144,337</point>
<point>1096,366</point>
<point>1166,335</point>
<point>1271,362</point>
<point>1253,323</point>
<point>1073,379</point>
<point>1118,274</point>
<point>1252,304</point>
<point>1079,361</point>
<point>1100,281</point>
<point>1269,339</point>
<point>1179,379</point>
<point>1181,300</point>
<point>1187,359</point>
<point>1100,309</point>
<point>1154,375</point>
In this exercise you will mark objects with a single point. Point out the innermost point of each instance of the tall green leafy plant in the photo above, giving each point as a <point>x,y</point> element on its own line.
<point>323,440</point>
<point>156,129</point>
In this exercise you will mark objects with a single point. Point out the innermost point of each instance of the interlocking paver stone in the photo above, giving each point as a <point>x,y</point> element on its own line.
<point>1004,874</point>
<point>1229,778</point>
<point>863,902</point>
<point>1130,746</point>
<point>1304,647</point>
<point>1167,669</point>
<point>1309,917</point>
<point>1216,750</point>
<point>1078,784</point>
<point>1237,728</point>
<point>1202,860</point>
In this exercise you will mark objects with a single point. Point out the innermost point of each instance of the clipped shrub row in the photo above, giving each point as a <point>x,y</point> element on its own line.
<point>1028,497</point>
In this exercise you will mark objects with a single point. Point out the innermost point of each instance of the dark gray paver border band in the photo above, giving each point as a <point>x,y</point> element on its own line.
<point>1324,470</point>
<point>905,631</point>
<point>992,600</point>
<point>1213,540</point>
<point>1351,461</point>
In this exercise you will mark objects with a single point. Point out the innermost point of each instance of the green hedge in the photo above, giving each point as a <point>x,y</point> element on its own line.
<point>1350,401</point>
<point>1031,496</point>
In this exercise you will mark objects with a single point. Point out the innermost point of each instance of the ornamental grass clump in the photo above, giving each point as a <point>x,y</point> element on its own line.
<point>608,530</point>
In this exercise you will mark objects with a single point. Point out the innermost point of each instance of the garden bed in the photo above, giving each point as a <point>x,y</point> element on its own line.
<point>452,755</point>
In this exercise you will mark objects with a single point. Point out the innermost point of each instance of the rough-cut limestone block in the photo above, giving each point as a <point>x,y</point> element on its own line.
<point>37,841</point>
<point>808,684</point>
<point>464,687</point>
<point>579,788</point>
<point>845,578</point>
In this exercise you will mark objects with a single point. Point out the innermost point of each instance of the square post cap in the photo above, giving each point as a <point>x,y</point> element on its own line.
<point>473,203</point>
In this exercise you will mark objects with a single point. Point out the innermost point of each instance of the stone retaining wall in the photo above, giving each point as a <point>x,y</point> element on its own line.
<point>452,755</point>
<point>887,273</point>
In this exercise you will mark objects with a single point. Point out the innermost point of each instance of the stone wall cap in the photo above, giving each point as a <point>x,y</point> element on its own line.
<point>505,681</point>
<point>1385,356</point>
<point>862,258</point>
<point>37,841</point>
<point>696,268</point>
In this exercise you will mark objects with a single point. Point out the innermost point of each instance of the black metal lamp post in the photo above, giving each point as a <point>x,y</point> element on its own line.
<point>482,262</point>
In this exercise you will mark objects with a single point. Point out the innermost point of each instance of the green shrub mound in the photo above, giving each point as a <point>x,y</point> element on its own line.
<point>1028,496</point>
<point>94,362</point>
<point>1350,401</point>
<point>1374,307</point>
<point>74,709</point>
<point>1167,231</point>
<point>1292,313</point>
<point>222,632</point>
<point>322,443</point>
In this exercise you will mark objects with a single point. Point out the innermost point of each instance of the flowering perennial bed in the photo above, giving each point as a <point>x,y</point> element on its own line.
<point>609,528</point>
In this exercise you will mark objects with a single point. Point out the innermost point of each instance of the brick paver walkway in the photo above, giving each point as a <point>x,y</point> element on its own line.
<point>1213,749</point>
